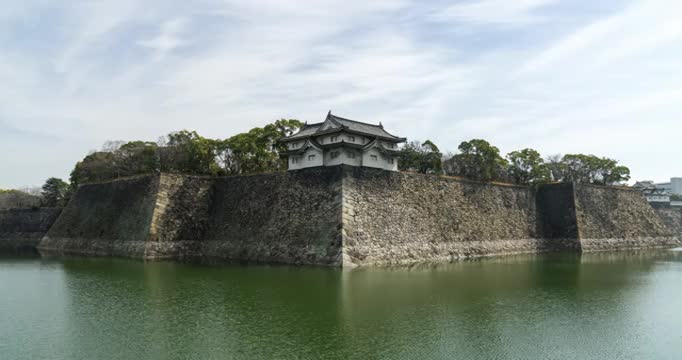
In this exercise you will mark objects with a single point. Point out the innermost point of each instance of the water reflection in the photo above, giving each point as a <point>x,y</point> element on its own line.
<point>601,305</point>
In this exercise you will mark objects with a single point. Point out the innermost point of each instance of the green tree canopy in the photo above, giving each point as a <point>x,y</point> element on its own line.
<point>14,199</point>
<point>527,167</point>
<point>55,192</point>
<point>479,160</point>
<point>592,169</point>
<point>424,157</point>
<point>135,157</point>
<point>187,152</point>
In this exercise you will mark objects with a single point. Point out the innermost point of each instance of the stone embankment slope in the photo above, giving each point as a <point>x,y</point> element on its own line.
<point>111,218</point>
<point>394,218</point>
<point>280,218</point>
<point>22,229</point>
<point>346,216</point>
<point>397,218</point>
<point>612,218</point>
<point>672,218</point>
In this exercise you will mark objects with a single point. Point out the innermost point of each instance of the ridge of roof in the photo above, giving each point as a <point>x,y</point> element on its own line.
<point>379,127</point>
<point>351,120</point>
<point>314,124</point>
<point>342,123</point>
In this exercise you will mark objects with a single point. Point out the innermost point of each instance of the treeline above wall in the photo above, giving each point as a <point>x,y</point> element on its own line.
<point>257,151</point>
<point>181,152</point>
<point>54,193</point>
<point>477,159</point>
<point>187,152</point>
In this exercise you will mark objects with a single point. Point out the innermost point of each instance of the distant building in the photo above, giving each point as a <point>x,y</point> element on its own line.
<point>672,187</point>
<point>655,194</point>
<point>337,141</point>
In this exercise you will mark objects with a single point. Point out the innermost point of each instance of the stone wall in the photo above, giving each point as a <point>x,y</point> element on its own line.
<point>291,217</point>
<point>180,216</point>
<point>557,215</point>
<point>347,216</point>
<point>611,218</point>
<point>672,218</point>
<point>393,218</point>
<point>112,218</point>
<point>22,229</point>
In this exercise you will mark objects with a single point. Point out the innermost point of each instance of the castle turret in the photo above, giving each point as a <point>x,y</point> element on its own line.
<point>337,141</point>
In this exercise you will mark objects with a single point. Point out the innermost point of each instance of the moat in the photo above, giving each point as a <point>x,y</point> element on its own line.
<point>623,305</point>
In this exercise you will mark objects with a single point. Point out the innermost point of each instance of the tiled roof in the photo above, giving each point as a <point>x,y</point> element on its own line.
<point>364,128</point>
<point>306,131</point>
<point>340,123</point>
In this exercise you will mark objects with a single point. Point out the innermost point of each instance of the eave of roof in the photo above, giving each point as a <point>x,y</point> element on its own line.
<point>350,126</point>
<point>342,144</point>
<point>309,143</point>
<point>306,131</point>
<point>341,120</point>
<point>382,149</point>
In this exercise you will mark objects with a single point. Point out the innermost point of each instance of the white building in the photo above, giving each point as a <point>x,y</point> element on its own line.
<point>654,193</point>
<point>672,187</point>
<point>337,141</point>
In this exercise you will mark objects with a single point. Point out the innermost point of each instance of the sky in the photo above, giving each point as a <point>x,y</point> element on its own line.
<point>579,76</point>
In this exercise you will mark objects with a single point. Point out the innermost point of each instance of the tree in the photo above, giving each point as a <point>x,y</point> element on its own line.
<point>189,153</point>
<point>137,157</point>
<point>98,166</point>
<point>527,167</point>
<point>256,150</point>
<point>478,160</point>
<point>55,192</point>
<point>112,145</point>
<point>16,199</point>
<point>555,167</point>
<point>593,170</point>
<point>132,158</point>
<point>588,169</point>
<point>424,157</point>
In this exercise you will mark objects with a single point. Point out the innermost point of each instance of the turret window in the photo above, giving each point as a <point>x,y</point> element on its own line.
<point>350,155</point>
<point>351,138</point>
<point>373,157</point>
<point>294,160</point>
<point>335,138</point>
<point>334,154</point>
<point>311,157</point>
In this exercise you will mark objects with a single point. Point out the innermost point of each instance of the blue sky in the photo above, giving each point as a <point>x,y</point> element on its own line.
<point>559,76</point>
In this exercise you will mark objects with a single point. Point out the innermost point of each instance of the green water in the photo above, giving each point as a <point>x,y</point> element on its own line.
<point>599,306</point>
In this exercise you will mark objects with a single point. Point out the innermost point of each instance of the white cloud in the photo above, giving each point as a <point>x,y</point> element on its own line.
<point>126,69</point>
<point>167,39</point>
<point>642,26</point>
<point>504,12</point>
